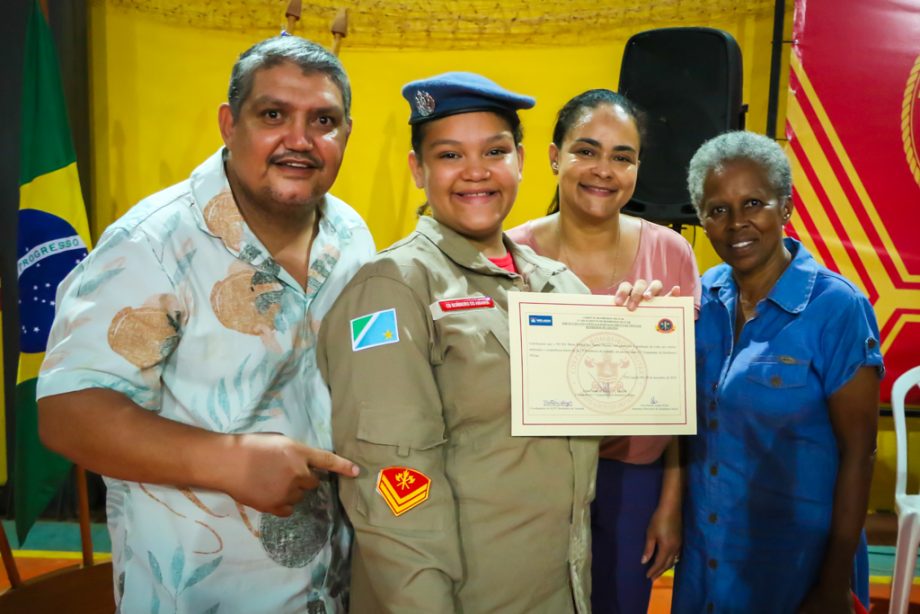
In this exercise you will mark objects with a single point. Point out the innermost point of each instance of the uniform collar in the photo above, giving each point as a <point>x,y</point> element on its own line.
<point>536,270</point>
<point>793,289</point>
<point>455,246</point>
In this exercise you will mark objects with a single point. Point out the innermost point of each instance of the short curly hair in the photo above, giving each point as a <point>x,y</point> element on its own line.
<point>739,145</point>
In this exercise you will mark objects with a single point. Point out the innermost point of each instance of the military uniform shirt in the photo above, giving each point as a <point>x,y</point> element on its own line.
<point>505,524</point>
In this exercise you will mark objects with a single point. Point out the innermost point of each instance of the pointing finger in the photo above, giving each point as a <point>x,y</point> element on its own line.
<point>328,461</point>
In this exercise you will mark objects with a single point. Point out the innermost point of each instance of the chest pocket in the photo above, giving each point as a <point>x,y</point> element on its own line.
<point>777,372</point>
<point>402,429</point>
<point>472,331</point>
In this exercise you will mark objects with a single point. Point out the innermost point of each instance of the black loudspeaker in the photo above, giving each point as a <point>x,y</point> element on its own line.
<point>688,82</point>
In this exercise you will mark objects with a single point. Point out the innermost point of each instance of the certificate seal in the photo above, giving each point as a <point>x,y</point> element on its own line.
<point>606,373</point>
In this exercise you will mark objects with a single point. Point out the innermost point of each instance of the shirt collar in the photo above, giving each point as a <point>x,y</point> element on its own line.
<point>219,215</point>
<point>538,271</point>
<point>224,221</point>
<point>456,247</point>
<point>535,270</point>
<point>793,289</point>
<point>209,180</point>
<point>331,221</point>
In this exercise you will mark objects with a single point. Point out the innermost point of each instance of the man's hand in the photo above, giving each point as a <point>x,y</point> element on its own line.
<point>106,432</point>
<point>270,472</point>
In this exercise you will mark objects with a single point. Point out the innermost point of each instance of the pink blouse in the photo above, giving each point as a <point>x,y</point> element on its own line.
<point>665,255</point>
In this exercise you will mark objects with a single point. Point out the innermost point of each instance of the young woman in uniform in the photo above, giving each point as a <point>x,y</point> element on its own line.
<point>450,512</point>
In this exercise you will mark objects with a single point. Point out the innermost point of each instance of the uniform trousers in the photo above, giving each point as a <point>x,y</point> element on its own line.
<point>627,496</point>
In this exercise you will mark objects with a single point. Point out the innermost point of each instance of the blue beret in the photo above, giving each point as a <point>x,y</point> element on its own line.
<point>459,92</point>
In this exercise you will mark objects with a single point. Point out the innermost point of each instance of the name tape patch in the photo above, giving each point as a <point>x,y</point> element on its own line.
<point>439,309</point>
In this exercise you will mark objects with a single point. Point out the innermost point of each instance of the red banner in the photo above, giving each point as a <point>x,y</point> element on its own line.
<point>853,124</point>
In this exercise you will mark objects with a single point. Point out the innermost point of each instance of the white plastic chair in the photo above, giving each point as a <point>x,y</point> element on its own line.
<point>907,506</point>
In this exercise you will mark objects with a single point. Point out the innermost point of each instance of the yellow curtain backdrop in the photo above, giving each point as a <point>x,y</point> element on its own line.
<point>452,24</point>
<point>160,70</point>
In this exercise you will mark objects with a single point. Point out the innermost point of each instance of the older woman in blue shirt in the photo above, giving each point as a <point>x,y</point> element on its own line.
<point>788,366</point>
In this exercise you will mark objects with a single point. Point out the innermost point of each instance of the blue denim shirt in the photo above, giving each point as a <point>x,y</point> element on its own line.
<point>762,470</point>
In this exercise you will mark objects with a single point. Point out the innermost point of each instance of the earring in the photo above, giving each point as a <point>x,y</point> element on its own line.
<point>555,166</point>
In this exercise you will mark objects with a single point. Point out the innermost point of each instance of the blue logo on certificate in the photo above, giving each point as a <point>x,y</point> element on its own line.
<point>540,320</point>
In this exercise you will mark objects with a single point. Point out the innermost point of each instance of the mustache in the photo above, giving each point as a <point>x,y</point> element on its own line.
<point>297,156</point>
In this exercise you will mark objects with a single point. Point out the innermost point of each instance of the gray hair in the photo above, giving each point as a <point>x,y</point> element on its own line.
<point>310,57</point>
<point>739,145</point>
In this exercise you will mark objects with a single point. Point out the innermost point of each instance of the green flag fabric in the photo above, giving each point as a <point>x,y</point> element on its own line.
<point>3,469</point>
<point>53,237</point>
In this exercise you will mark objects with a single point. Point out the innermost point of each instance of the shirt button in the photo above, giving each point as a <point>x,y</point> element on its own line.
<point>776,381</point>
<point>713,424</point>
<point>871,343</point>
<point>713,563</point>
<point>715,386</point>
<point>710,607</point>
<point>712,405</point>
<point>713,470</point>
<point>713,518</point>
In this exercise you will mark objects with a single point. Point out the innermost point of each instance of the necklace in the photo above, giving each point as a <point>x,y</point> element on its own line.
<point>564,257</point>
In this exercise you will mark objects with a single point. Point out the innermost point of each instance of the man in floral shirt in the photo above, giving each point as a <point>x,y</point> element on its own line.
<point>181,364</point>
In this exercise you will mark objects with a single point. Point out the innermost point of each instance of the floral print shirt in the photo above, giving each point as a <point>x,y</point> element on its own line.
<point>183,310</point>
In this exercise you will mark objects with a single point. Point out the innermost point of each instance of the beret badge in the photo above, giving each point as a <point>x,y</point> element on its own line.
<point>424,103</point>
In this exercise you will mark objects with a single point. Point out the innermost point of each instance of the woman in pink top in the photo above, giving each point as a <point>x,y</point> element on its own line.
<point>636,524</point>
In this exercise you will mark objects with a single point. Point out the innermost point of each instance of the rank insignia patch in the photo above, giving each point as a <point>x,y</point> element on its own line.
<point>402,488</point>
<point>374,329</point>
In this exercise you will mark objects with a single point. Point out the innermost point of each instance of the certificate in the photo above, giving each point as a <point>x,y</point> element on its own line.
<point>582,366</point>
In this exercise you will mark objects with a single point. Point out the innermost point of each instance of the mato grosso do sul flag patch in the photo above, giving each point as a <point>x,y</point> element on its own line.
<point>373,329</point>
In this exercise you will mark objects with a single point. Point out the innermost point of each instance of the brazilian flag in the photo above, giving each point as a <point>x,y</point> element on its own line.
<point>53,238</point>
<point>3,472</point>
